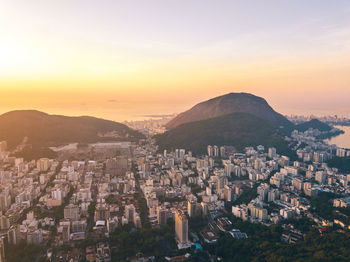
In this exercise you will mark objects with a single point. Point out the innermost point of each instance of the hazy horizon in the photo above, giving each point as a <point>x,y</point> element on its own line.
<point>121,59</point>
<point>109,112</point>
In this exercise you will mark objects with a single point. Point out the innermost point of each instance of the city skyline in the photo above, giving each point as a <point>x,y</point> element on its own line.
<point>122,59</point>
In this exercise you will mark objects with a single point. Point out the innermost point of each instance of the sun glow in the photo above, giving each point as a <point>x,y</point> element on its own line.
<point>158,63</point>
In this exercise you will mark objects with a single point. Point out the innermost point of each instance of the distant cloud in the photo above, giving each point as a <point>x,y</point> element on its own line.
<point>112,101</point>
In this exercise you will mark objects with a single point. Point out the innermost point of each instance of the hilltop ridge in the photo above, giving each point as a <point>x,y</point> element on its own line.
<point>42,129</point>
<point>231,103</point>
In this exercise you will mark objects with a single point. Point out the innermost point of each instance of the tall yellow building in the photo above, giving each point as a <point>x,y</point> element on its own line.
<point>181,227</point>
<point>43,164</point>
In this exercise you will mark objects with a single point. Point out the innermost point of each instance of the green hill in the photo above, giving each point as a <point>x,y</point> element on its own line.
<point>237,129</point>
<point>231,103</point>
<point>43,130</point>
<point>314,124</point>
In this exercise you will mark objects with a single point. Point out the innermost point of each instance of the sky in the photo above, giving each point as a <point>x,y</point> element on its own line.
<point>121,60</point>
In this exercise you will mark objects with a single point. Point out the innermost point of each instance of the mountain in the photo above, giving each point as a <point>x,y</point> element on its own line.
<point>237,129</point>
<point>314,124</point>
<point>43,130</point>
<point>231,103</point>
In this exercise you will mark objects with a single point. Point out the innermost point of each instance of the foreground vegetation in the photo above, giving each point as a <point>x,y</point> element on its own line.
<point>264,244</point>
<point>342,163</point>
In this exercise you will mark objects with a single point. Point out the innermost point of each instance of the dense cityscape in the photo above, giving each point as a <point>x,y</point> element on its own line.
<point>132,202</point>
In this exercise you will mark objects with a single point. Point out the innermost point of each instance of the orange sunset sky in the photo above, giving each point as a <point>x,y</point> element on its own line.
<point>124,59</point>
